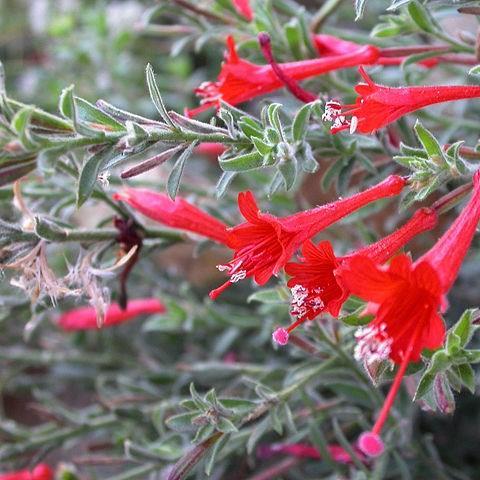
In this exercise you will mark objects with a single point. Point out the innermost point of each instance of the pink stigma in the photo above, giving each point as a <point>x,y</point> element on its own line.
<point>371,444</point>
<point>280,336</point>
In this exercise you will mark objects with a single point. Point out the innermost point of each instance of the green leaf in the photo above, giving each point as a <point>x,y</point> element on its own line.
<point>223,183</point>
<point>270,296</point>
<point>242,163</point>
<point>464,329</point>
<point>86,112</point>
<point>474,70</point>
<point>66,103</point>
<point>467,376</point>
<point>209,464</point>
<point>359,8</point>
<point>181,422</point>
<point>262,147</point>
<point>300,122</point>
<point>89,174</point>
<point>429,142</point>
<point>156,96</point>
<point>21,123</point>
<point>356,319</point>
<point>422,18</point>
<point>289,171</point>
<point>175,176</point>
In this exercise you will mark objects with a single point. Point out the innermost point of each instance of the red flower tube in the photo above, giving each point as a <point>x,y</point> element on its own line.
<point>304,450</point>
<point>406,298</point>
<point>40,472</point>
<point>378,105</point>
<point>264,243</point>
<point>244,8</point>
<point>85,318</point>
<point>176,213</point>
<point>316,289</point>
<point>328,45</point>
<point>240,80</point>
<point>210,149</point>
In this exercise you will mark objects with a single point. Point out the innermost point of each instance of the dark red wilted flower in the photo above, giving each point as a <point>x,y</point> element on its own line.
<point>176,213</point>
<point>40,472</point>
<point>406,298</point>
<point>244,8</point>
<point>85,318</point>
<point>304,450</point>
<point>264,243</point>
<point>378,105</point>
<point>240,80</point>
<point>316,289</point>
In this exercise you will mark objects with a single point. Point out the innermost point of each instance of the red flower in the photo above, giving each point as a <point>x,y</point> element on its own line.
<point>328,45</point>
<point>85,318</point>
<point>378,105</point>
<point>240,80</point>
<point>406,298</point>
<point>244,8</point>
<point>304,450</point>
<point>176,213</point>
<point>40,472</point>
<point>264,243</point>
<point>315,287</point>
<point>210,149</point>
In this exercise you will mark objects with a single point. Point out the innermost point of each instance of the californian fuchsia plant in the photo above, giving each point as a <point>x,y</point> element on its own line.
<point>288,227</point>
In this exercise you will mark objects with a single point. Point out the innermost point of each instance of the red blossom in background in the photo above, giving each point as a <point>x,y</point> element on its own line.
<point>85,318</point>
<point>40,472</point>
<point>244,8</point>
<point>304,450</point>
<point>210,149</point>
<point>315,287</point>
<point>264,243</point>
<point>378,105</point>
<point>406,298</point>
<point>176,213</point>
<point>240,80</point>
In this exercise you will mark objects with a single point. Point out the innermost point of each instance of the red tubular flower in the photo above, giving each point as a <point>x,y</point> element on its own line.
<point>176,213</point>
<point>407,297</point>
<point>240,80</point>
<point>210,149</point>
<point>244,8</point>
<point>304,450</point>
<point>264,243</point>
<point>378,105</point>
<point>85,318</point>
<point>328,45</point>
<point>315,287</point>
<point>40,472</point>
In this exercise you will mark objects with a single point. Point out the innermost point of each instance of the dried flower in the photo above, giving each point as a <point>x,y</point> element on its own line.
<point>264,243</point>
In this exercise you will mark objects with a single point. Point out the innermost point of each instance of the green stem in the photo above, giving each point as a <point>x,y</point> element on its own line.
<point>98,235</point>
<point>56,437</point>
<point>137,472</point>
<point>323,13</point>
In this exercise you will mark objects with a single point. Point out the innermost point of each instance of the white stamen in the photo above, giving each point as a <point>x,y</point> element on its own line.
<point>353,125</point>
<point>236,277</point>
<point>373,344</point>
